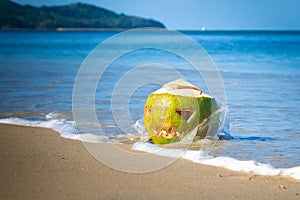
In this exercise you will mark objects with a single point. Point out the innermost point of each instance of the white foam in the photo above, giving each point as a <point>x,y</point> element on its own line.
<point>226,162</point>
<point>66,128</point>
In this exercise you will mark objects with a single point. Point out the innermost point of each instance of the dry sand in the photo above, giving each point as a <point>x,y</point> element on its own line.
<point>36,163</point>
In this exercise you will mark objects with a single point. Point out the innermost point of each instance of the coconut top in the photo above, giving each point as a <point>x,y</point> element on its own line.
<point>182,88</point>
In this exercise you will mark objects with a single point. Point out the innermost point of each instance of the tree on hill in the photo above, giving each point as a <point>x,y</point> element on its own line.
<point>77,15</point>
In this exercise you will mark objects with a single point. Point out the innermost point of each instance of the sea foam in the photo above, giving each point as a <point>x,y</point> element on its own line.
<point>201,157</point>
<point>66,128</point>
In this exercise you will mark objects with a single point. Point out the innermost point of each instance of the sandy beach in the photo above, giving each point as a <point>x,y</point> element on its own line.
<point>36,163</point>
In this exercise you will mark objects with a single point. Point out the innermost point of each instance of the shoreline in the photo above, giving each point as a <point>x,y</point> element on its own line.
<point>38,163</point>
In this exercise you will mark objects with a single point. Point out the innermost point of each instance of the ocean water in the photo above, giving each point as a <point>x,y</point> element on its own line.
<point>260,71</point>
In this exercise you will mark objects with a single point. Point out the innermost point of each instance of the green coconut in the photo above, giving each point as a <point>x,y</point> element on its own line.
<point>173,111</point>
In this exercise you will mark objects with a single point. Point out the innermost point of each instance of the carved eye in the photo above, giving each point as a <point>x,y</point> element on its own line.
<point>186,114</point>
<point>148,110</point>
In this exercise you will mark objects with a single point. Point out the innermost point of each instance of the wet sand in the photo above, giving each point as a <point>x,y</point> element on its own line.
<point>36,163</point>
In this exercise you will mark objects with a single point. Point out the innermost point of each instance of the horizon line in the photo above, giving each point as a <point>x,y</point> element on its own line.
<point>122,29</point>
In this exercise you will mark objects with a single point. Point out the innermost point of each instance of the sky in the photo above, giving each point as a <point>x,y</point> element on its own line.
<point>211,14</point>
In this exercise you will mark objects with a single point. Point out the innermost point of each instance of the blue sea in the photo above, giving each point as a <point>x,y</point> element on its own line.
<point>260,71</point>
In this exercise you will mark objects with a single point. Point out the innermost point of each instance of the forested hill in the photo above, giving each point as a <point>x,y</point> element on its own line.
<point>77,15</point>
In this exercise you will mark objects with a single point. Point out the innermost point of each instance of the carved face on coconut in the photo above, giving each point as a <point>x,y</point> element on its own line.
<point>172,113</point>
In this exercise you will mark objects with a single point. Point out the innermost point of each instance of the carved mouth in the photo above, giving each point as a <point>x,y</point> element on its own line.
<point>166,134</point>
<point>169,134</point>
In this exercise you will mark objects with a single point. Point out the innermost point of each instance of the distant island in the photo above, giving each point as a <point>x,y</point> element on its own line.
<point>73,16</point>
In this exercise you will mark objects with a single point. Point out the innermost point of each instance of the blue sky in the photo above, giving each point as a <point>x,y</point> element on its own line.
<point>195,14</point>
